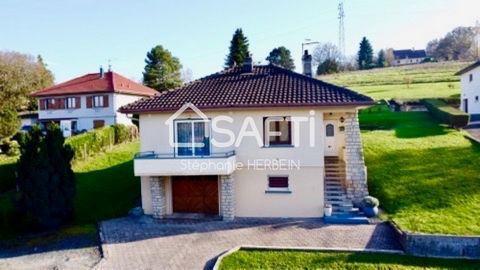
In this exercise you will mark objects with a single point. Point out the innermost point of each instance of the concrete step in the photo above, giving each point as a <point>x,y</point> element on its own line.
<point>346,219</point>
<point>333,189</point>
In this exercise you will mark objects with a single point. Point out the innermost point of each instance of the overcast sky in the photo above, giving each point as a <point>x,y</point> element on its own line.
<point>76,37</point>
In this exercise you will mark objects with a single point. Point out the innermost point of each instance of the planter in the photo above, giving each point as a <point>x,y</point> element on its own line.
<point>328,210</point>
<point>370,211</point>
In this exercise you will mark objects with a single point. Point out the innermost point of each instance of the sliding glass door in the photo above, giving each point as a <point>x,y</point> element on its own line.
<point>193,138</point>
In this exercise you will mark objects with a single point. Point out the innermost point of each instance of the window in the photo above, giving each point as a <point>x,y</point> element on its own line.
<point>278,184</point>
<point>74,126</point>
<point>98,101</point>
<point>98,123</point>
<point>71,103</point>
<point>192,137</point>
<point>278,130</point>
<point>470,77</point>
<point>476,98</point>
<point>330,130</point>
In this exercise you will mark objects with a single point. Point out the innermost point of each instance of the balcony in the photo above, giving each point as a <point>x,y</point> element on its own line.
<point>151,163</point>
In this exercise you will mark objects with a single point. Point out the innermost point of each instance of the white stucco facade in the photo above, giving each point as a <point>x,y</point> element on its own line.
<point>84,116</point>
<point>305,158</point>
<point>470,93</point>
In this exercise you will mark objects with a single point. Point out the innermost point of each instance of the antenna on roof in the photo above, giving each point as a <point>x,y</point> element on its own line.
<point>101,72</point>
<point>109,65</point>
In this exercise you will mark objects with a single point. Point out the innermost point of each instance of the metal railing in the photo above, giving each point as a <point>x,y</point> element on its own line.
<point>154,155</point>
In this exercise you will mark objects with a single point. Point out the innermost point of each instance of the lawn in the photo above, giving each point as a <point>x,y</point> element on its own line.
<point>263,259</point>
<point>425,174</point>
<point>428,80</point>
<point>106,188</point>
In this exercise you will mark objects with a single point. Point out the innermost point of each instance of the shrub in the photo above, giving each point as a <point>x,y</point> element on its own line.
<point>370,202</point>
<point>10,147</point>
<point>122,133</point>
<point>98,140</point>
<point>445,113</point>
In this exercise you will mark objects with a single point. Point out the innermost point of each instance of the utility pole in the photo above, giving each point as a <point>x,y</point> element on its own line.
<point>341,28</point>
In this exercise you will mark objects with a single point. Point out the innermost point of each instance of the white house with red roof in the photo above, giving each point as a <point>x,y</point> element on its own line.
<point>90,101</point>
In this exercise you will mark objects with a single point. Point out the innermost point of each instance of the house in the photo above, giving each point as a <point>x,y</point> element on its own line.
<point>27,119</point>
<point>90,101</point>
<point>408,57</point>
<point>470,90</point>
<point>251,141</point>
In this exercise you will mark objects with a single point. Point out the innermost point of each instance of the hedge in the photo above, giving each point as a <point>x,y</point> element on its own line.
<point>98,140</point>
<point>445,113</point>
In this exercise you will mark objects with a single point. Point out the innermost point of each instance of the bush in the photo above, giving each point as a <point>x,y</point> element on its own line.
<point>446,114</point>
<point>10,147</point>
<point>94,141</point>
<point>370,202</point>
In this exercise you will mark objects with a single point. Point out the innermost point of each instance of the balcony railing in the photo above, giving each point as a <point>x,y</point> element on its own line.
<point>154,155</point>
<point>150,163</point>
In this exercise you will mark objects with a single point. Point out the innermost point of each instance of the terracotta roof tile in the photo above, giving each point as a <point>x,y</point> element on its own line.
<point>266,86</point>
<point>93,83</point>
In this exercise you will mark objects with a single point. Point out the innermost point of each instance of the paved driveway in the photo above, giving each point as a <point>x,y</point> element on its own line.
<point>143,244</point>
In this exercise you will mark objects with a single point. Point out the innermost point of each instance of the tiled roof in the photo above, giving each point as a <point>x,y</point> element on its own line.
<point>408,54</point>
<point>93,83</point>
<point>266,86</point>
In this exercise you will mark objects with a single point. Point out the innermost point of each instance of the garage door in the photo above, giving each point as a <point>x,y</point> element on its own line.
<point>195,194</point>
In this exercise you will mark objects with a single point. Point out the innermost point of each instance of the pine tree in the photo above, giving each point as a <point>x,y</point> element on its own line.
<point>162,70</point>
<point>281,56</point>
<point>365,55</point>
<point>45,178</point>
<point>238,49</point>
<point>381,62</point>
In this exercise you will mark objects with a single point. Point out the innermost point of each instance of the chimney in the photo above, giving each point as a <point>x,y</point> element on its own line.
<point>248,64</point>
<point>101,73</point>
<point>307,64</point>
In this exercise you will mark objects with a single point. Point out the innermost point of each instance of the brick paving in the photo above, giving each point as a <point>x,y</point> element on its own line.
<point>130,243</point>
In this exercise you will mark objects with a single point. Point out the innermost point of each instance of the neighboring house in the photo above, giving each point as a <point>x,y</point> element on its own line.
<point>408,57</point>
<point>470,93</point>
<point>294,173</point>
<point>90,101</point>
<point>28,119</point>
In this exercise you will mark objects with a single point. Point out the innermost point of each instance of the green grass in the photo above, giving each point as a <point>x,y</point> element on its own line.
<point>106,188</point>
<point>430,80</point>
<point>413,91</point>
<point>425,174</point>
<point>260,259</point>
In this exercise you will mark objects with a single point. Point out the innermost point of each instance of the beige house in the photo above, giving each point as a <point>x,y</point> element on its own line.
<point>251,141</point>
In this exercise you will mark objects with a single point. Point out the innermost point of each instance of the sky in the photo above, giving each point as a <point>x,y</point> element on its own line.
<point>76,37</point>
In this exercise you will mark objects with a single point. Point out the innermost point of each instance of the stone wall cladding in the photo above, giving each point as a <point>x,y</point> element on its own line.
<point>438,245</point>
<point>227,204</point>
<point>159,202</point>
<point>356,174</point>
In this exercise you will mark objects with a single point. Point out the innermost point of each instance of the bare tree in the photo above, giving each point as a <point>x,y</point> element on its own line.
<point>326,51</point>
<point>187,75</point>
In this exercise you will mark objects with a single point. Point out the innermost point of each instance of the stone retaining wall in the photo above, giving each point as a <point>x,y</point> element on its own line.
<point>438,245</point>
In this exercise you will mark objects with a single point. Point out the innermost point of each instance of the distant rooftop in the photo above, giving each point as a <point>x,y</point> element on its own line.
<point>409,54</point>
<point>110,82</point>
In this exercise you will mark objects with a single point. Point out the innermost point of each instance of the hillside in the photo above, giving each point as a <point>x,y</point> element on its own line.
<point>405,82</point>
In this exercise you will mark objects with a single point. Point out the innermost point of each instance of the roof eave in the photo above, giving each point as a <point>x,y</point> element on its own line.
<point>341,104</point>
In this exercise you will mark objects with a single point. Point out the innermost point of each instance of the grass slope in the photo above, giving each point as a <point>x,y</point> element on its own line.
<point>259,259</point>
<point>106,188</point>
<point>426,80</point>
<point>425,174</point>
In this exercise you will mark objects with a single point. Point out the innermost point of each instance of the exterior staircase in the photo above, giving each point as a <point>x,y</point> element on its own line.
<point>343,211</point>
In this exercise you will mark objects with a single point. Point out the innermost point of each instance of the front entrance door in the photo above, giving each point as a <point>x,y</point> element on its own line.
<point>195,194</point>
<point>330,133</point>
